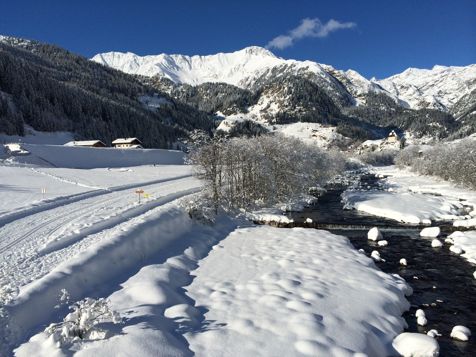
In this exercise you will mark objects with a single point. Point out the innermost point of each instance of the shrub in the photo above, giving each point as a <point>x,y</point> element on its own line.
<point>82,322</point>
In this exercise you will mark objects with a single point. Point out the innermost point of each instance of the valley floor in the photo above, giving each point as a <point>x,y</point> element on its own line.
<point>182,287</point>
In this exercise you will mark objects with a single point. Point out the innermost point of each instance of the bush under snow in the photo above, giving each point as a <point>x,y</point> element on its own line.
<point>83,321</point>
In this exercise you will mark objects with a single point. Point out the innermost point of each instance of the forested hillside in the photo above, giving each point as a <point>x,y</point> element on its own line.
<point>52,89</point>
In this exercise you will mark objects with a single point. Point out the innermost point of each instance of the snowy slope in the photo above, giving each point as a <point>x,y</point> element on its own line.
<point>437,88</point>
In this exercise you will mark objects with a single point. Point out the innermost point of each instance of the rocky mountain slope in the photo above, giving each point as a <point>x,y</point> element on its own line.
<point>438,102</point>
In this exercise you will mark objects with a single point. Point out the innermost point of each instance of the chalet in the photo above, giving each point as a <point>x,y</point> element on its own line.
<point>393,137</point>
<point>127,143</point>
<point>87,143</point>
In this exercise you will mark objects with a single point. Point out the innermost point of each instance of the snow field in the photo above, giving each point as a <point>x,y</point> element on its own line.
<point>160,233</point>
<point>21,187</point>
<point>88,158</point>
<point>30,247</point>
<point>270,291</point>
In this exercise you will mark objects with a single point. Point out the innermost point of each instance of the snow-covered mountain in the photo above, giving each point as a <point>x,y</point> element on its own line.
<point>247,68</point>
<point>437,88</point>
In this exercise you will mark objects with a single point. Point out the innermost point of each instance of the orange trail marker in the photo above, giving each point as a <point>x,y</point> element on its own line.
<point>139,192</point>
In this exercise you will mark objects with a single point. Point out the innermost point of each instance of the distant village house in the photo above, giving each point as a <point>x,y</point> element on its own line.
<point>393,137</point>
<point>127,143</point>
<point>87,143</point>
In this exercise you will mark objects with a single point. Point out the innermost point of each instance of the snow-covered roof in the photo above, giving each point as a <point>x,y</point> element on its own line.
<point>84,143</point>
<point>125,141</point>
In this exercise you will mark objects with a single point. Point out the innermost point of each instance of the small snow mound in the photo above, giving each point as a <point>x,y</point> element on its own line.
<point>431,232</point>
<point>403,262</point>
<point>382,243</point>
<point>436,243</point>
<point>409,344</point>
<point>433,333</point>
<point>363,252</point>
<point>374,234</point>
<point>461,333</point>
<point>308,220</point>
<point>474,274</point>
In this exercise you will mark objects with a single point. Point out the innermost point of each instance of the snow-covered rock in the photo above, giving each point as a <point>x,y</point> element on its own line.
<point>436,243</point>
<point>403,262</point>
<point>376,256</point>
<point>308,220</point>
<point>419,313</point>
<point>382,243</point>
<point>433,333</point>
<point>422,321</point>
<point>461,333</point>
<point>421,318</point>
<point>467,223</point>
<point>430,232</point>
<point>409,344</point>
<point>374,234</point>
<point>456,249</point>
<point>464,243</point>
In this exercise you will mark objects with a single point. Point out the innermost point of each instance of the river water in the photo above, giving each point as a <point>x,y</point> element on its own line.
<point>443,283</point>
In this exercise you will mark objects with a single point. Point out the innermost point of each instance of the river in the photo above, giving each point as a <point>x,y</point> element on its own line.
<point>443,283</point>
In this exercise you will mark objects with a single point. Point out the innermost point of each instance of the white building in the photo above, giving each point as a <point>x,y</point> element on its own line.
<point>129,143</point>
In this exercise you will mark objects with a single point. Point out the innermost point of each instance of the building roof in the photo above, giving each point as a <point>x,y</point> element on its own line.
<point>126,141</point>
<point>84,143</point>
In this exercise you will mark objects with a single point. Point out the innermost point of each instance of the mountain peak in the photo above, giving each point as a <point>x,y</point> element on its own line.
<point>257,51</point>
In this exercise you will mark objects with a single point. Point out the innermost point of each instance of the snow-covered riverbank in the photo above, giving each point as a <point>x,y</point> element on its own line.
<point>414,199</point>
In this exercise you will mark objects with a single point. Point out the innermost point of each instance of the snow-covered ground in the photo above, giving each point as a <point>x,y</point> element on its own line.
<point>269,291</point>
<point>257,290</point>
<point>412,198</point>
<point>261,291</point>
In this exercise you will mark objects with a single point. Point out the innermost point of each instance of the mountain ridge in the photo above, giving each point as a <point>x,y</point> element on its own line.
<point>240,68</point>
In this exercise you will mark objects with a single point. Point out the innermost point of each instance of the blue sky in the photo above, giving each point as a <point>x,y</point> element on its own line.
<point>375,37</point>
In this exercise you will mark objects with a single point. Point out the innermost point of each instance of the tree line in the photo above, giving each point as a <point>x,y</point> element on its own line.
<point>261,171</point>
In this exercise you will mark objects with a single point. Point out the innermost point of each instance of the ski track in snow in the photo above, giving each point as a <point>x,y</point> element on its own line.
<point>54,232</point>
